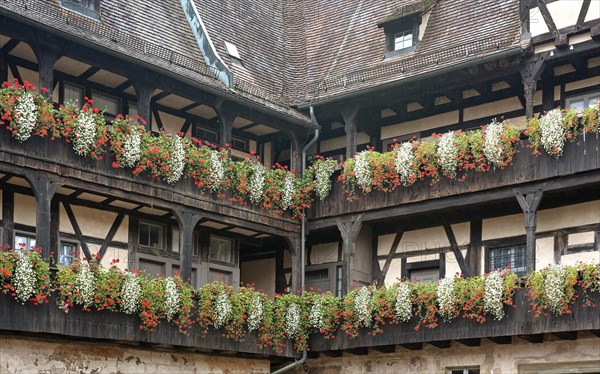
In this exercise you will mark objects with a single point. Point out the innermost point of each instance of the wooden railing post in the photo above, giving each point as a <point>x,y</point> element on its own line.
<point>529,202</point>
<point>187,221</point>
<point>44,188</point>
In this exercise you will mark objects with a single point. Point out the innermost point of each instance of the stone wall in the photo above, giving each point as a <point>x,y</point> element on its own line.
<point>490,358</point>
<point>28,355</point>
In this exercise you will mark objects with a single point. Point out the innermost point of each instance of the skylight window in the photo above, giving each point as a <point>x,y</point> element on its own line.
<point>232,50</point>
<point>88,8</point>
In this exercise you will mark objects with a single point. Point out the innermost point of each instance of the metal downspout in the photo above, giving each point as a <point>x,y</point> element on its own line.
<point>302,360</point>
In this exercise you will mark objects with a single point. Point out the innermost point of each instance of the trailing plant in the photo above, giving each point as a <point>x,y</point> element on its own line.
<point>552,290</point>
<point>323,169</point>
<point>126,141</point>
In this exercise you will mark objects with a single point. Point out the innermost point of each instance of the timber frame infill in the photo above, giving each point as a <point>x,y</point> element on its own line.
<point>55,160</point>
<point>578,167</point>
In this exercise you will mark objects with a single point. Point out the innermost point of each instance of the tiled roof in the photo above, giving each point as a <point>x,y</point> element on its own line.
<point>292,51</point>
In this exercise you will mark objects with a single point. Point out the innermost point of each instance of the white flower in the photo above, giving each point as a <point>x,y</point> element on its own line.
<point>292,321</point>
<point>315,317</point>
<point>493,148</point>
<point>287,197</point>
<point>84,285</point>
<point>26,116</point>
<point>172,298</point>
<point>131,292</point>
<point>257,182</point>
<point>403,306</point>
<point>445,298</point>
<point>362,171</point>
<point>132,149</point>
<point>217,171</point>
<point>24,278</point>
<point>255,313</point>
<point>554,288</point>
<point>405,159</point>
<point>222,310</point>
<point>493,292</point>
<point>362,306</point>
<point>324,171</point>
<point>553,132</point>
<point>85,133</point>
<point>447,154</point>
<point>177,161</point>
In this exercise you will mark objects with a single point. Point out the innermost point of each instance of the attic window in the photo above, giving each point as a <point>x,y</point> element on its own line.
<point>233,53</point>
<point>403,40</point>
<point>401,34</point>
<point>87,8</point>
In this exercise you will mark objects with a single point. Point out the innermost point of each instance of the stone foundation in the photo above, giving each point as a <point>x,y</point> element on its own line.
<point>490,358</point>
<point>24,355</point>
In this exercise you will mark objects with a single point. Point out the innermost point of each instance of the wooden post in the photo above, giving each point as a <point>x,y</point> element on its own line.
<point>144,93</point>
<point>349,231</point>
<point>43,189</point>
<point>3,67</point>
<point>474,251</point>
<point>280,282</point>
<point>46,57</point>
<point>295,249</point>
<point>295,154</point>
<point>350,117</point>
<point>8,223</point>
<point>561,242</point>
<point>187,221</point>
<point>531,72</point>
<point>226,117</point>
<point>529,203</point>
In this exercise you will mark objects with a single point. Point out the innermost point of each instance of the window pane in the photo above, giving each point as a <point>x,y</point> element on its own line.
<point>576,104</point>
<point>513,257</point>
<point>105,102</point>
<point>66,254</point>
<point>221,249</point>
<point>216,275</point>
<point>155,240</point>
<point>21,242</point>
<point>402,40</point>
<point>144,234</point>
<point>424,275</point>
<point>74,94</point>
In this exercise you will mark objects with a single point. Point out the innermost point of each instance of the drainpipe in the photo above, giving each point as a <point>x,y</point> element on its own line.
<point>313,119</point>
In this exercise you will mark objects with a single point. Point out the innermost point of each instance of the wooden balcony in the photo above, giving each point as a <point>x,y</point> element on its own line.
<point>579,166</point>
<point>120,328</point>
<point>58,160</point>
<point>517,323</point>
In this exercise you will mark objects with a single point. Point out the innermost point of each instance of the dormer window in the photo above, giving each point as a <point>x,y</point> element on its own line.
<point>88,8</point>
<point>403,40</point>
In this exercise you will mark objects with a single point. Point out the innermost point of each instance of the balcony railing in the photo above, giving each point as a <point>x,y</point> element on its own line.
<point>119,327</point>
<point>581,158</point>
<point>519,321</point>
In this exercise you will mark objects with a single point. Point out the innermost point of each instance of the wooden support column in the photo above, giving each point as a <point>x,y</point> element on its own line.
<point>43,189</point>
<point>561,242</point>
<point>187,221</point>
<point>349,231</point>
<point>295,248</point>
<point>280,281</point>
<point>46,57</point>
<point>295,154</point>
<point>144,93</point>
<point>226,117</point>
<point>392,251</point>
<point>474,250</point>
<point>456,250</point>
<point>350,117</point>
<point>8,222</point>
<point>531,72</point>
<point>529,202</point>
<point>3,67</point>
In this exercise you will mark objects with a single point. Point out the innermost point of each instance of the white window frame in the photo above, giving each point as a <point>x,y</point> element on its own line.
<point>233,249</point>
<point>72,257</point>
<point>588,99</point>
<point>163,235</point>
<point>29,236</point>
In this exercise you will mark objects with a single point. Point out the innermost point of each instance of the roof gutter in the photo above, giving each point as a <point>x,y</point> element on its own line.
<point>386,86</point>
<point>227,94</point>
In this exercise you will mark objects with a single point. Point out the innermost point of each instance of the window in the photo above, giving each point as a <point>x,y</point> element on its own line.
<point>239,144</point>
<point>108,103</point>
<point>583,101</point>
<point>467,370</point>
<point>24,242</point>
<point>403,40</point>
<point>206,134</point>
<point>67,253</point>
<point>513,257</point>
<point>222,249</point>
<point>220,276</point>
<point>424,275</point>
<point>73,93</point>
<point>88,8</point>
<point>152,235</point>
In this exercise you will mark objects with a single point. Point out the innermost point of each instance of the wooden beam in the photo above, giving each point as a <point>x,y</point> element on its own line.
<point>84,247</point>
<point>475,342</point>
<point>500,339</point>
<point>144,93</point>
<point>412,346</point>
<point>455,249</point>
<point>561,243</point>
<point>566,335</point>
<point>8,223</point>
<point>89,72</point>
<point>9,46</point>
<point>350,117</point>
<point>392,251</point>
<point>111,234</point>
<point>442,344</point>
<point>361,351</point>
<point>531,72</point>
<point>534,338</point>
<point>529,202</point>
<point>44,188</point>
<point>46,57</point>
<point>349,231</point>
<point>187,221</point>
<point>474,249</point>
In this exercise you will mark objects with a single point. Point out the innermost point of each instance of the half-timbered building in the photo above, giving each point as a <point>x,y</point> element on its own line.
<point>275,79</point>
